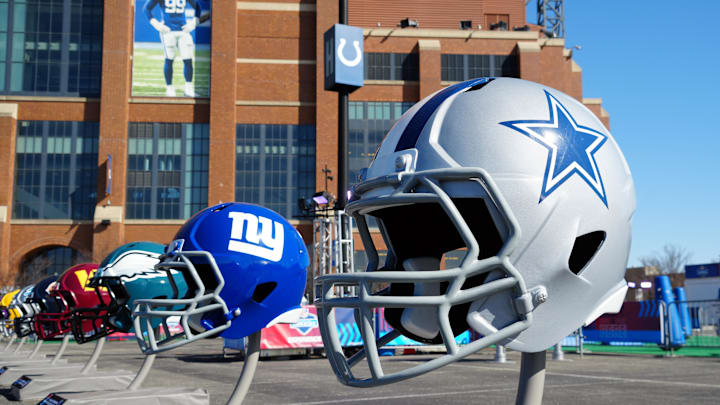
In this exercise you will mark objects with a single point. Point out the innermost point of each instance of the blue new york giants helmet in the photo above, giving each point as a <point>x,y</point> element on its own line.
<point>245,267</point>
<point>526,186</point>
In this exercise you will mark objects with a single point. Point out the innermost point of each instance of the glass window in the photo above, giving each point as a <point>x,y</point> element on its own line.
<point>167,170</point>
<point>275,165</point>
<point>391,66</point>
<point>456,68</point>
<point>56,170</point>
<point>48,261</point>
<point>42,43</point>
<point>368,123</point>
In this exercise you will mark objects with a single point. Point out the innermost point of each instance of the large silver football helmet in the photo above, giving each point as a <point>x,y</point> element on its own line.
<point>523,179</point>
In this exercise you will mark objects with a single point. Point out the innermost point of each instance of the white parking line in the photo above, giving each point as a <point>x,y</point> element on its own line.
<point>430,394</point>
<point>598,377</point>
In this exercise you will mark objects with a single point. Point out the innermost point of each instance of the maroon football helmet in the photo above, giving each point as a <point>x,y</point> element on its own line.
<point>69,294</point>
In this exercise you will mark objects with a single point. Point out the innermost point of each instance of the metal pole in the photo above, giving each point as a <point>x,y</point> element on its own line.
<point>500,356</point>
<point>532,379</point>
<point>22,341</point>
<point>581,339</point>
<point>61,349</point>
<point>558,353</point>
<point>142,373</point>
<point>11,340</point>
<point>38,344</point>
<point>252,354</point>
<point>343,96</point>
<point>94,357</point>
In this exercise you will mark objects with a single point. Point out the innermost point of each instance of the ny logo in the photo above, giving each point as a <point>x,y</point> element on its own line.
<point>246,237</point>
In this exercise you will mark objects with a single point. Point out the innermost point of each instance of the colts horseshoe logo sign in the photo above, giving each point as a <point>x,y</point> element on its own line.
<point>358,53</point>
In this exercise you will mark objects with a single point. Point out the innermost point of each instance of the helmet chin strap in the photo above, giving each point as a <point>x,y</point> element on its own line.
<point>421,321</point>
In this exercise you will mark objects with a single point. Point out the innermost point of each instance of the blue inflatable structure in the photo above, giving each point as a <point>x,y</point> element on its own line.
<point>682,305</point>
<point>673,327</point>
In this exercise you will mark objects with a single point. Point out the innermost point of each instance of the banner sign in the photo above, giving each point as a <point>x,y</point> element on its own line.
<point>636,322</point>
<point>304,333</point>
<point>702,270</point>
<point>171,48</point>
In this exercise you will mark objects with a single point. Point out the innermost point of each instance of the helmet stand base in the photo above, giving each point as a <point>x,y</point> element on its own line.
<point>71,378</point>
<point>138,396</point>
<point>532,379</point>
<point>40,368</point>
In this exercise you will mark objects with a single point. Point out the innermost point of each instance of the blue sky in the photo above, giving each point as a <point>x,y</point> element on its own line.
<point>656,65</point>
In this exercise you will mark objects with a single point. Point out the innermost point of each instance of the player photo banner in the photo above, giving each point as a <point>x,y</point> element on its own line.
<point>171,49</point>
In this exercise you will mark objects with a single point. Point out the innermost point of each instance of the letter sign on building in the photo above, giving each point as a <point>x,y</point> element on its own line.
<point>344,62</point>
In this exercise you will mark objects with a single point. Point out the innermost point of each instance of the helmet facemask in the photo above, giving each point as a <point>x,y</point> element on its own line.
<point>202,315</point>
<point>422,301</point>
<point>88,324</point>
<point>56,320</point>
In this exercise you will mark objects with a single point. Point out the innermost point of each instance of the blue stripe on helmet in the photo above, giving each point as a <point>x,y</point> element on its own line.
<point>410,135</point>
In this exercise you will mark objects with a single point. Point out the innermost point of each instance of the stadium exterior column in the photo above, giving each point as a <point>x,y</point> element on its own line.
<point>223,91</point>
<point>114,116</point>
<point>529,61</point>
<point>326,106</point>
<point>429,61</point>
<point>8,128</point>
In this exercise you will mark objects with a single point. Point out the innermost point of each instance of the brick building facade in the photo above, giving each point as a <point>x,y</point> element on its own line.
<point>266,74</point>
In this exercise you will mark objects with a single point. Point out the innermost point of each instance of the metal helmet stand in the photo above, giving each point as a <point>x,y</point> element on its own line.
<point>22,342</point>
<point>10,342</point>
<point>71,378</point>
<point>532,379</point>
<point>38,345</point>
<point>56,366</point>
<point>139,396</point>
<point>252,354</point>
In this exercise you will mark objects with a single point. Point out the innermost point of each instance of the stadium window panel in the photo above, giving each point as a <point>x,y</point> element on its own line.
<point>50,47</point>
<point>456,68</point>
<point>275,165</point>
<point>47,261</point>
<point>368,123</point>
<point>167,170</point>
<point>391,66</point>
<point>55,170</point>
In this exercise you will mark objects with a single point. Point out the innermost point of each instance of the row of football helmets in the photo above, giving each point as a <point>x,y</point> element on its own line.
<point>521,177</point>
<point>141,284</point>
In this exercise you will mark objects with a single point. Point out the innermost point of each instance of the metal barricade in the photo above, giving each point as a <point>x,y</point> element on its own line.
<point>697,320</point>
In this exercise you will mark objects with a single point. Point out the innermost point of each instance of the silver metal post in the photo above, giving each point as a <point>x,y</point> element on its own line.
<point>500,356</point>
<point>38,344</point>
<point>252,354</point>
<point>558,354</point>
<point>142,373</point>
<point>94,357</point>
<point>581,338</point>
<point>22,341</point>
<point>61,349</point>
<point>532,379</point>
<point>11,340</point>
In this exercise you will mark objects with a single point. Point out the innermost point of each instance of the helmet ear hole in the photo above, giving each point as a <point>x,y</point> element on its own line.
<point>263,290</point>
<point>584,250</point>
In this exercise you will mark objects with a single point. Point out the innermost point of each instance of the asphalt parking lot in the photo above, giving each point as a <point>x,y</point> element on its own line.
<point>594,379</point>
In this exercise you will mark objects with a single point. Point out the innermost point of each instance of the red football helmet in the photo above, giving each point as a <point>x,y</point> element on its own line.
<point>70,293</point>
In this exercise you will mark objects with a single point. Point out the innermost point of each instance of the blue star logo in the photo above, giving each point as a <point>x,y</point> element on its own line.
<point>571,148</point>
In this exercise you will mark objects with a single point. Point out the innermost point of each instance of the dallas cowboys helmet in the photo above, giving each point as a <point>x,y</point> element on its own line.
<point>128,273</point>
<point>245,267</point>
<point>523,180</point>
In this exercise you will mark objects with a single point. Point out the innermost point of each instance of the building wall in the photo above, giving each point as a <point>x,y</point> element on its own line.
<point>266,68</point>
